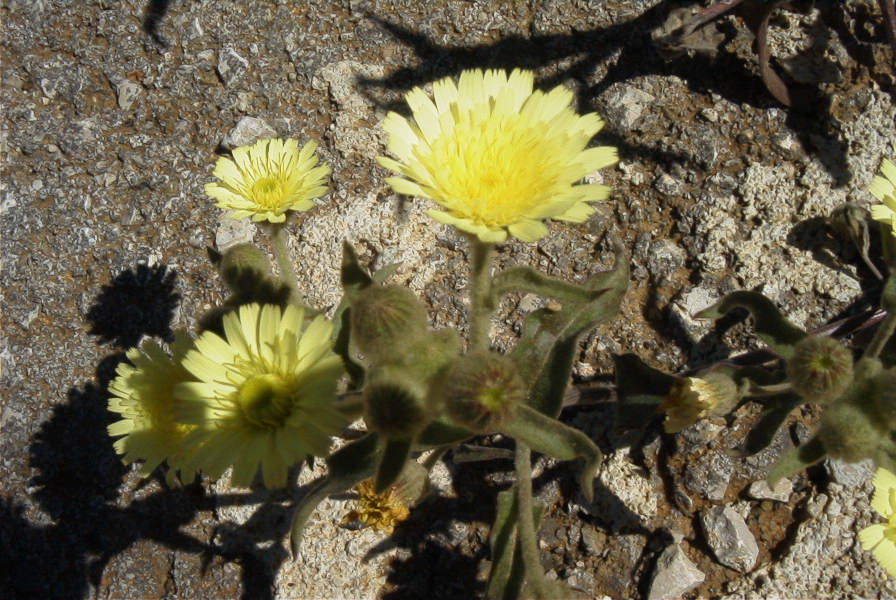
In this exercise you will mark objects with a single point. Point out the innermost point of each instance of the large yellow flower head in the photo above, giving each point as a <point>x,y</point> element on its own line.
<point>264,396</point>
<point>142,393</point>
<point>881,537</point>
<point>883,187</point>
<point>268,178</point>
<point>497,156</point>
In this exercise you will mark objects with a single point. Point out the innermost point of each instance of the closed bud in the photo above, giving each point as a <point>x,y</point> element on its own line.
<point>479,391</point>
<point>847,432</point>
<point>395,403</point>
<point>883,398</point>
<point>820,370</point>
<point>384,319</point>
<point>241,262</point>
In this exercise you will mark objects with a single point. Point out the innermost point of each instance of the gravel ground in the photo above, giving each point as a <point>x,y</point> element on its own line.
<point>113,115</point>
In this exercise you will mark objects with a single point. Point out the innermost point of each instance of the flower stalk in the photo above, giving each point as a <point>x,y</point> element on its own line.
<point>281,255</point>
<point>480,293</point>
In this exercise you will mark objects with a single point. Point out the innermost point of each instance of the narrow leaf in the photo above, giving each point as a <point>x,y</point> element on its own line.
<point>349,465</point>
<point>770,325</point>
<point>442,433</point>
<point>774,414</point>
<point>796,460</point>
<point>527,279</point>
<point>549,341</point>
<point>502,541</point>
<point>395,455</point>
<point>550,436</point>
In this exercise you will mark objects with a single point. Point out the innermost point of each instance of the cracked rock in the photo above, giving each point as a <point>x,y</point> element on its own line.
<point>729,537</point>
<point>247,131</point>
<point>674,575</point>
<point>709,475</point>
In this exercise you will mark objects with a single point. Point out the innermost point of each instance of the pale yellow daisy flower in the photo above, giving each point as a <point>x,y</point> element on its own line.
<point>497,156</point>
<point>265,180</point>
<point>880,538</point>
<point>143,393</point>
<point>692,398</point>
<point>883,187</point>
<point>264,396</point>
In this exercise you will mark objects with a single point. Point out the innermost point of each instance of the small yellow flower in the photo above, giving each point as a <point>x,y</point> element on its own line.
<point>142,393</point>
<point>264,396</point>
<point>268,178</point>
<point>881,537</point>
<point>497,156</point>
<point>380,511</point>
<point>883,187</point>
<point>693,398</point>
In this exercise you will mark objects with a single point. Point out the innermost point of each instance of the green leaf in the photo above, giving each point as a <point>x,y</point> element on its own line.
<point>550,339</point>
<point>465,453</point>
<point>888,296</point>
<point>442,433</point>
<point>349,465</point>
<point>505,581</point>
<point>550,436</point>
<point>796,460</point>
<point>527,279</point>
<point>392,460</point>
<point>640,388</point>
<point>773,415</point>
<point>771,326</point>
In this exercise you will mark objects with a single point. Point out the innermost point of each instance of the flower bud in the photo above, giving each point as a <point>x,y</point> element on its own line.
<point>395,403</point>
<point>847,432</point>
<point>384,319</point>
<point>479,391</point>
<point>242,262</point>
<point>820,369</point>
<point>692,398</point>
<point>883,398</point>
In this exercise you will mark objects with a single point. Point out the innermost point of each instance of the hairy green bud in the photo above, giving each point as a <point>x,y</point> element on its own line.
<point>241,262</point>
<point>395,403</point>
<point>479,391</point>
<point>883,398</point>
<point>848,432</point>
<point>384,319</point>
<point>820,370</point>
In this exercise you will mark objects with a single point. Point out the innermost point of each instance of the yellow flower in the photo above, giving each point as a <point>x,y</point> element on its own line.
<point>268,178</point>
<point>497,156</point>
<point>883,187</point>
<point>264,396</point>
<point>142,393</point>
<point>881,537</point>
<point>380,511</point>
<point>693,398</point>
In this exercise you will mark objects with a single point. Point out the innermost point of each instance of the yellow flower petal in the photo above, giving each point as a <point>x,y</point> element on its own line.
<point>883,187</point>
<point>267,179</point>
<point>493,154</point>
<point>271,403</point>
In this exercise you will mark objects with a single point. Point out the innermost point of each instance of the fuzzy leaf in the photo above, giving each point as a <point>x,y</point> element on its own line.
<point>771,326</point>
<point>349,465</point>
<point>888,296</point>
<point>527,279</point>
<point>796,460</point>
<point>507,574</point>
<point>550,436</point>
<point>442,433</point>
<point>465,453</point>
<point>640,389</point>
<point>773,415</point>
<point>392,460</point>
<point>549,341</point>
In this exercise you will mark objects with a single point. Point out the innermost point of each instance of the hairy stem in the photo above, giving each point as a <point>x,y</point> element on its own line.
<point>526,537</point>
<point>281,254</point>
<point>480,293</point>
<point>881,336</point>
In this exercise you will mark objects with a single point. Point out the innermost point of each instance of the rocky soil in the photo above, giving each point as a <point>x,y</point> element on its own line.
<point>113,115</point>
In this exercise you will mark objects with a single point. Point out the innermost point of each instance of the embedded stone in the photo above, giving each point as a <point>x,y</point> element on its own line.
<point>674,576</point>
<point>729,537</point>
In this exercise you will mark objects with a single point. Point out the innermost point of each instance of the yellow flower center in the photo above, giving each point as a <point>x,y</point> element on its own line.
<point>491,398</point>
<point>265,400</point>
<point>268,192</point>
<point>494,170</point>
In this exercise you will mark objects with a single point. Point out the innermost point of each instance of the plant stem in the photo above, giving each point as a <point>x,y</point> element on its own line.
<point>281,254</point>
<point>526,538</point>
<point>480,293</point>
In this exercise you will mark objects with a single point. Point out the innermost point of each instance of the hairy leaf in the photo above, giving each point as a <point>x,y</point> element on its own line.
<point>550,436</point>
<point>771,326</point>
<point>349,465</point>
<point>395,455</point>
<point>773,415</point>
<point>796,460</point>
<point>549,341</point>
